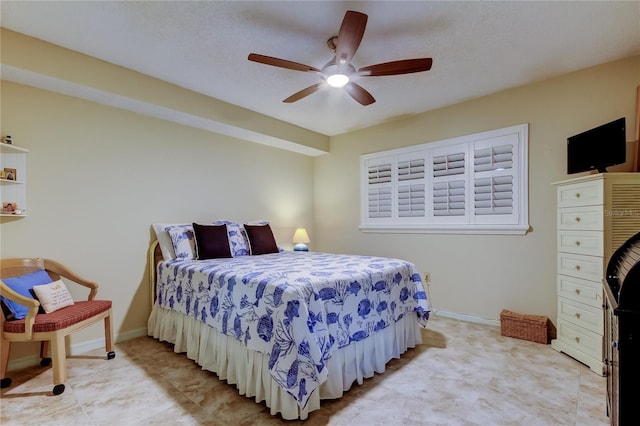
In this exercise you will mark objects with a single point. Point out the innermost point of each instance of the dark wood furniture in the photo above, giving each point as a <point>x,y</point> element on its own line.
<point>622,333</point>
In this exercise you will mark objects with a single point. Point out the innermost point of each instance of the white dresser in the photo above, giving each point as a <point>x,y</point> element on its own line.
<point>596,214</point>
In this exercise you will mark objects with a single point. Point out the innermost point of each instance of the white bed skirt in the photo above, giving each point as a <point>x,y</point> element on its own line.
<point>248,370</point>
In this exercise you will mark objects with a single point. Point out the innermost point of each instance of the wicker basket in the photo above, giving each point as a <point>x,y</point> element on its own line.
<point>534,328</point>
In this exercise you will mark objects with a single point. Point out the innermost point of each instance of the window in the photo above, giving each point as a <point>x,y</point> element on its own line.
<point>471,184</point>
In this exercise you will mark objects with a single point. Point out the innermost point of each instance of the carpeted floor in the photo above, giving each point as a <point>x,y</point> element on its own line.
<point>464,374</point>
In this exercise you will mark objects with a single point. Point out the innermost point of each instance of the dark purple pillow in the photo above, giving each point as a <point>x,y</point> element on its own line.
<point>212,241</point>
<point>261,239</point>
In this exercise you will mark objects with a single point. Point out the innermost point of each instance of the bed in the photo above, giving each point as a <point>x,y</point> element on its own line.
<point>288,328</point>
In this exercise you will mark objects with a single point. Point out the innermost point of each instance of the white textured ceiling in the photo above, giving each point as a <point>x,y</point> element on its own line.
<point>477,48</point>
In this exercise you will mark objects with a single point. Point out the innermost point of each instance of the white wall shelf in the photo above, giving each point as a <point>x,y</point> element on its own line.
<point>14,190</point>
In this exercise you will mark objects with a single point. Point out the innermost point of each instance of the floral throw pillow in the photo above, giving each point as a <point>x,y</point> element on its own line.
<point>183,241</point>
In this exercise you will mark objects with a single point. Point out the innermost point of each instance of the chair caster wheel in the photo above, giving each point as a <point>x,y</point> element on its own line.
<point>111,355</point>
<point>5,383</point>
<point>45,362</point>
<point>58,389</point>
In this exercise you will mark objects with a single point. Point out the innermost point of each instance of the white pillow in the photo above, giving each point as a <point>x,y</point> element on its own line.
<point>53,296</point>
<point>164,240</point>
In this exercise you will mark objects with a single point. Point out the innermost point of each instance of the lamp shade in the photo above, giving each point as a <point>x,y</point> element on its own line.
<point>301,238</point>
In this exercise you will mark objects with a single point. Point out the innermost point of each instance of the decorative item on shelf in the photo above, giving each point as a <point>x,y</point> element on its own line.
<point>10,207</point>
<point>301,238</point>
<point>7,139</point>
<point>10,174</point>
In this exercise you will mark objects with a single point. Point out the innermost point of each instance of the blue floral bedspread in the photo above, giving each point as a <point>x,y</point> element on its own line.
<point>297,307</point>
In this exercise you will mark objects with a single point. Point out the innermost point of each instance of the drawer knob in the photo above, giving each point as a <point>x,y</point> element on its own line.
<point>578,315</point>
<point>577,243</point>
<point>577,291</point>
<point>577,339</point>
<point>577,267</point>
<point>578,219</point>
<point>577,195</point>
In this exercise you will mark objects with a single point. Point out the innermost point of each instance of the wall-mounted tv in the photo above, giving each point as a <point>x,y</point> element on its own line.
<point>598,148</point>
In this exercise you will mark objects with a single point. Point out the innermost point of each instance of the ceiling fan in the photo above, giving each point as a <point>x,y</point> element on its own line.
<point>339,72</point>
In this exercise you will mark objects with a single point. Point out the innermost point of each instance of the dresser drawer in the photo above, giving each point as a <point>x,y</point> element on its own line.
<point>583,291</point>
<point>582,315</point>
<point>581,194</point>
<point>580,338</point>
<point>581,242</point>
<point>581,266</point>
<point>577,218</point>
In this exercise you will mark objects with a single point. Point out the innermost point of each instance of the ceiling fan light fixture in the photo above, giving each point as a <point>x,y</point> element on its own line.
<point>339,70</point>
<point>338,80</point>
<point>337,74</point>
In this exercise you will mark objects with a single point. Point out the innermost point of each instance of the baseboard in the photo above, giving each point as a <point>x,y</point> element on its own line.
<point>123,337</point>
<point>77,349</point>
<point>466,317</point>
<point>84,347</point>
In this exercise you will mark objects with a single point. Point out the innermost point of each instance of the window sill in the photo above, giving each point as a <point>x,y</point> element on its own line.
<point>448,229</point>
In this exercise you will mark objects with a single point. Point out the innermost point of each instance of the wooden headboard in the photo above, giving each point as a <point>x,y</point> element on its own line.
<point>155,257</point>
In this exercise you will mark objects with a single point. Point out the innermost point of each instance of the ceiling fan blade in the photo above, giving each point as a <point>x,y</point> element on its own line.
<point>304,92</point>
<point>405,66</point>
<point>350,35</point>
<point>282,63</point>
<point>359,94</point>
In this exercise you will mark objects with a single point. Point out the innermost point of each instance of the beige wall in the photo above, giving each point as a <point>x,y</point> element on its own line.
<point>479,275</point>
<point>98,177</point>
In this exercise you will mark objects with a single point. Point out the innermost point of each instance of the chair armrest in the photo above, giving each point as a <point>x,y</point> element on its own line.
<point>30,303</point>
<point>63,271</point>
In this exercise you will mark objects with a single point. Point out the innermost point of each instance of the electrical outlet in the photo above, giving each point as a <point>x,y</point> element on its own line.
<point>427,277</point>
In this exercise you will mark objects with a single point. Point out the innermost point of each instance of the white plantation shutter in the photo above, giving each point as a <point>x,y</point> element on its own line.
<point>493,195</point>
<point>449,183</point>
<point>448,165</point>
<point>380,202</point>
<point>411,169</point>
<point>495,180</point>
<point>380,173</point>
<point>380,192</point>
<point>493,158</point>
<point>411,186</point>
<point>449,198</point>
<point>470,184</point>
<point>411,200</point>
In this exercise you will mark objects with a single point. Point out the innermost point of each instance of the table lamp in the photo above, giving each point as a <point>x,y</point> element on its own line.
<point>300,239</point>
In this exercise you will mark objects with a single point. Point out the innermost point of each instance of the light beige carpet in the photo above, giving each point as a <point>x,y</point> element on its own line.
<point>464,374</point>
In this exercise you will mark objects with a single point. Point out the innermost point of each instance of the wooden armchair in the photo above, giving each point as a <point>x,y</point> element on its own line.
<point>51,327</point>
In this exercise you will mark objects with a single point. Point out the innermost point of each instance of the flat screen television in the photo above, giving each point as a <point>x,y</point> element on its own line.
<point>598,148</point>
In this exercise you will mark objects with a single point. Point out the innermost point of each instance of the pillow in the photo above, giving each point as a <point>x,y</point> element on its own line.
<point>23,285</point>
<point>164,239</point>
<point>261,239</point>
<point>183,241</point>
<point>237,237</point>
<point>53,296</point>
<point>212,241</point>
